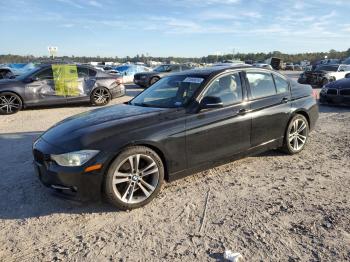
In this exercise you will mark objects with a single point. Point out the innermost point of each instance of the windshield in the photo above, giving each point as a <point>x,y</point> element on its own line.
<point>162,68</point>
<point>327,68</point>
<point>169,92</point>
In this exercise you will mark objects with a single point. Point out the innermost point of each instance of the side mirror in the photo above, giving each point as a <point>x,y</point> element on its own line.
<point>341,70</point>
<point>211,102</point>
<point>168,70</point>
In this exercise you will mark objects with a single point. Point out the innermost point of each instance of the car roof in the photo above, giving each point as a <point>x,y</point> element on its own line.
<point>206,71</point>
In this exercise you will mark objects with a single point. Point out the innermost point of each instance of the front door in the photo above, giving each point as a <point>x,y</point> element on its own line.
<point>216,134</point>
<point>42,90</point>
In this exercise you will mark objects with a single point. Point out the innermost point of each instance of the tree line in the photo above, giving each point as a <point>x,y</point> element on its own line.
<point>294,58</point>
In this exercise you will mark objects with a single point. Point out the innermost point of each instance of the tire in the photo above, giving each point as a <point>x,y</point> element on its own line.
<point>100,96</point>
<point>153,80</point>
<point>10,103</point>
<point>128,188</point>
<point>294,142</point>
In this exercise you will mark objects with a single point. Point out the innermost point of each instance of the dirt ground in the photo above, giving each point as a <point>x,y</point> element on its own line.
<point>271,207</point>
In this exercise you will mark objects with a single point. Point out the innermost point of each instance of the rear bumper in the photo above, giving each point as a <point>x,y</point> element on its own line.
<point>117,91</point>
<point>70,182</point>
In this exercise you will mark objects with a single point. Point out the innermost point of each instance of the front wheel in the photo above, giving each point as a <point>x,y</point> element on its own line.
<point>10,103</point>
<point>100,96</point>
<point>134,178</point>
<point>297,134</point>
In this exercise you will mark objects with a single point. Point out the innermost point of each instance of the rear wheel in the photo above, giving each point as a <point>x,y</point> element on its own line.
<point>10,103</point>
<point>134,178</point>
<point>100,96</point>
<point>297,134</point>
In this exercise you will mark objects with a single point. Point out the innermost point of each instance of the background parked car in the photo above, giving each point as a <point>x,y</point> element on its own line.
<point>336,93</point>
<point>262,65</point>
<point>58,84</point>
<point>13,70</point>
<point>147,79</point>
<point>323,74</point>
<point>289,66</point>
<point>298,67</point>
<point>128,71</point>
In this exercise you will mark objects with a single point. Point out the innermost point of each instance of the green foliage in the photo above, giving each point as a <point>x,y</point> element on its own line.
<point>295,58</point>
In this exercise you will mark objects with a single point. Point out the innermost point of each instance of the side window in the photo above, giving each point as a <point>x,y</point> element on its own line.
<point>228,88</point>
<point>281,84</point>
<point>92,72</point>
<point>45,74</point>
<point>261,84</point>
<point>83,71</point>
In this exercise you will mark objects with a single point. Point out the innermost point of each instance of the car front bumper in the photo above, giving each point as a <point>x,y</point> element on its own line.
<point>334,99</point>
<point>69,182</point>
<point>141,82</point>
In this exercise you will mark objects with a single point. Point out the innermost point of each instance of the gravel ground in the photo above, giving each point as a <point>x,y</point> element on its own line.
<point>271,207</point>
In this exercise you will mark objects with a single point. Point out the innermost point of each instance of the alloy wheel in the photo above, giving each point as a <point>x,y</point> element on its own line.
<point>298,134</point>
<point>101,96</point>
<point>135,179</point>
<point>9,104</point>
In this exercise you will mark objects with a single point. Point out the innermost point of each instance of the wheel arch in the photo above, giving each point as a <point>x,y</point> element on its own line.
<point>300,112</point>
<point>16,93</point>
<point>152,146</point>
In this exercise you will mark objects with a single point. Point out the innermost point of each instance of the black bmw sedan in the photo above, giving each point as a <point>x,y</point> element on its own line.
<point>54,84</point>
<point>336,93</point>
<point>146,79</point>
<point>182,124</point>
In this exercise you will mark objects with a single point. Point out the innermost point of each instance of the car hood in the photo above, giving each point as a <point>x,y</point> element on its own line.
<point>340,84</point>
<point>88,127</point>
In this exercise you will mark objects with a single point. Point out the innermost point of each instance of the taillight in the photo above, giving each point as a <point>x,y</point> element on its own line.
<point>315,94</point>
<point>119,81</point>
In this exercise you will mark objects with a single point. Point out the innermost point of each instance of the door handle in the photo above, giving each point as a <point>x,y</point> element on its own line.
<point>285,100</point>
<point>242,111</point>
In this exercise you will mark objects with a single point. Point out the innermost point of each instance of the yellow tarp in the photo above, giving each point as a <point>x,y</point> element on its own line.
<point>66,80</point>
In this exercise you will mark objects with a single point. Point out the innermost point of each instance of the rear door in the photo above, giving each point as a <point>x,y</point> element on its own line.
<point>43,89</point>
<point>269,95</point>
<point>85,84</point>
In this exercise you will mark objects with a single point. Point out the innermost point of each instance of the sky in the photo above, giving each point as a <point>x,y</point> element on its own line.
<point>182,28</point>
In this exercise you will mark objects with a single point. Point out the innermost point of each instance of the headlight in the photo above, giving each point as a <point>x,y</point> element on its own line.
<point>143,77</point>
<point>324,90</point>
<point>77,158</point>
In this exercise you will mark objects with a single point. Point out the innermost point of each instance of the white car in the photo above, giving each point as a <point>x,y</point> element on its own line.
<point>337,71</point>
